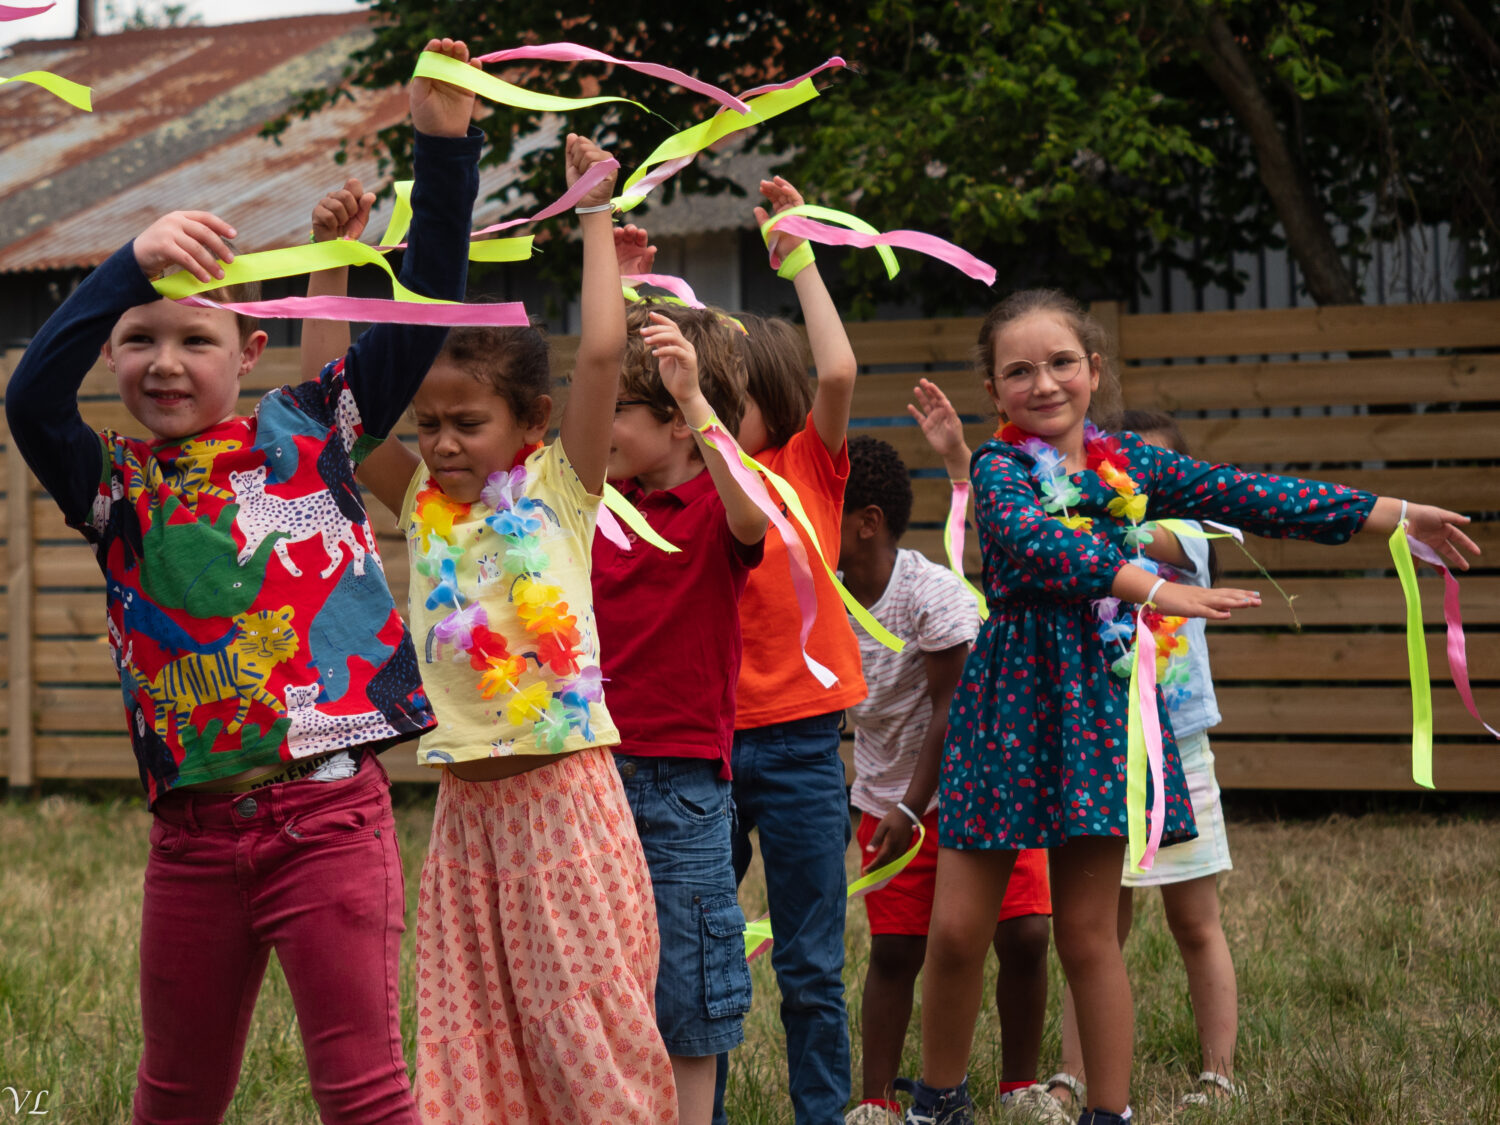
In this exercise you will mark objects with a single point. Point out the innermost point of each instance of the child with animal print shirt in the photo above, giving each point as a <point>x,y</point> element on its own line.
<point>256,639</point>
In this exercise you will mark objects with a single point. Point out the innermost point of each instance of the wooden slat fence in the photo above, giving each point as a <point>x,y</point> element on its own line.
<point>1294,390</point>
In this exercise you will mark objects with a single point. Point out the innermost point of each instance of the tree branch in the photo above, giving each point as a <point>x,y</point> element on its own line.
<point>1297,204</point>
<point>1474,29</point>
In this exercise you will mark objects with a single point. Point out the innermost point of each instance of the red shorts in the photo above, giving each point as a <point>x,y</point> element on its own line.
<point>904,905</point>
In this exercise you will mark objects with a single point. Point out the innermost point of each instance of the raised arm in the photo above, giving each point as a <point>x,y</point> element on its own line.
<point>41,401</point>
<point>941,427</point>
<point>339,214</point>
<point>833,358</point>
<point>589,418</point>
<point>678,364</point>
<point>387,363</point>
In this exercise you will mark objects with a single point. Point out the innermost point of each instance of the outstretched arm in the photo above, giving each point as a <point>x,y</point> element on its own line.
<point>339,214</point>
<point>941,427</point>
<point>678,364</point>
<point>833,358</point>
<point>589,417</point>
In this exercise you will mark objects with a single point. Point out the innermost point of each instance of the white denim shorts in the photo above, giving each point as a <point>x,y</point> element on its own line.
<point>1209,853</point>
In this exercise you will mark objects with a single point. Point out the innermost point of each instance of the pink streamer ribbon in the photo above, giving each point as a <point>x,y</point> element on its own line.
<point>787,85</point>
<point>930,244</point>
<point>609,527</point>
<point>1458,650</point>
<point>1151,729</point>
<point>672,284</point>
<point>796,550</point>
<point>958,506</point>
<point>568,200</point>
<point>9,12</point>
<point>373,310</point>
<point>573,52</point>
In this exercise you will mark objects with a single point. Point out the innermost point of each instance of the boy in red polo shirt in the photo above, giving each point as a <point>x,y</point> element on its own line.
<point>669,639</point>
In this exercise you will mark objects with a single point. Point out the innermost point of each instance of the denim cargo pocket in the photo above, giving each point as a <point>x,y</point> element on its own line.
<point>726,976</point>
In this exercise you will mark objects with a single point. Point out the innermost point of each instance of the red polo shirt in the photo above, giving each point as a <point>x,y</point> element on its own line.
<point>669,625</point>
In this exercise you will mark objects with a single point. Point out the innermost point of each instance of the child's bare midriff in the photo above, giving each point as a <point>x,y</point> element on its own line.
<point>494,769</point>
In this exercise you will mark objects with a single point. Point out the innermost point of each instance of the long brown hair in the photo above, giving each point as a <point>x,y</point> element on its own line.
<point>721,365</point>
<point>776,365</point>
<point>1107,401</point>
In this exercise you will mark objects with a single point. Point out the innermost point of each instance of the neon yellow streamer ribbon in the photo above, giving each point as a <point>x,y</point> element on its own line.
<point>793,502</point>
<point>841,218</point>
<point>1136,769</point>
<point>290,261</point>
<point>692,141</point>
<point>395,230</point>
<point>1416,656</point>
<point>430,64</point>
<point>758,934</point>
<point>1183,528</point>
<point>78,96</point>
<point>629,515</point>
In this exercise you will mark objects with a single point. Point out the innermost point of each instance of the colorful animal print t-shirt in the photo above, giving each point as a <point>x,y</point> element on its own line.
<point>260,628</point>
<point>502,604</point>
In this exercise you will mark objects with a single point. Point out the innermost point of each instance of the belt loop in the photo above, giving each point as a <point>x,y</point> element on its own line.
<point>189,806</point>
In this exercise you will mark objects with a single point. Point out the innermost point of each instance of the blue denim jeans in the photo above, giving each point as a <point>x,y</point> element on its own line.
<point>683,816</point>
<point>789,783</point>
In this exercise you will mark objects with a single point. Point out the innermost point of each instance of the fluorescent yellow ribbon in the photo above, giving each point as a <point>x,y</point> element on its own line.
<point>1136,769</point>
<point>1416,656</point>
<point>841,218</point>
<point>793,502</point>
<point>430,64</point>
<point>395,230</point>
<point>758,934</point>
<point>692,141</point>
<point>629,515</point>
<point>81,97</point>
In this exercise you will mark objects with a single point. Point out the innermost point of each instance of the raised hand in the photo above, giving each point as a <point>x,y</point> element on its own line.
<point>441,109</point>
<point>939,421</point>
<point>780,196</point>
<point>633,250</point>
<point>675,359</point>
<point>193,240</point>
<point>342,213</point>
<point>582,154</point>
<point>1441,530</point>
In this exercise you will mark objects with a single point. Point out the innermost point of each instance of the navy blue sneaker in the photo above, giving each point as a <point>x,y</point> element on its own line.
<point>931,1106</point>
<point>1104,1117</point>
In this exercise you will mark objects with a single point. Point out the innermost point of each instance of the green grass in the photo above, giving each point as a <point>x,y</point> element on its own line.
<point>1367,950</point>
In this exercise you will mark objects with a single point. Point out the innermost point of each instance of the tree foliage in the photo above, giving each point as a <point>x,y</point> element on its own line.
<point>1079,142</point>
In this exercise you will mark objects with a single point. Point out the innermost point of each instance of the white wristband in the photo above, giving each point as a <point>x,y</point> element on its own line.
<point>916,821</point>
<point>1151,597</point>
<point>593,210</point>
<point>1402,521</point>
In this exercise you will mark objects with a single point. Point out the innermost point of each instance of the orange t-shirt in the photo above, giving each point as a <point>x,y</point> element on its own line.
<point>775,685</point>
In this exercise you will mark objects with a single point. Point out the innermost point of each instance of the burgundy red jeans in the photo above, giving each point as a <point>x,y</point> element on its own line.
<point>311,870</point>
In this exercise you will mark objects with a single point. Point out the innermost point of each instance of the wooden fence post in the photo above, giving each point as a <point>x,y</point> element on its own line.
<point>19,595</point>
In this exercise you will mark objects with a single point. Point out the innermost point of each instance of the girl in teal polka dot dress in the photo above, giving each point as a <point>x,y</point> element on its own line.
<point>1037,734</point>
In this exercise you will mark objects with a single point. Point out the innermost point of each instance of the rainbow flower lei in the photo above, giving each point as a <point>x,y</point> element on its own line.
<point>553,709</point>
<point>1106,459</point>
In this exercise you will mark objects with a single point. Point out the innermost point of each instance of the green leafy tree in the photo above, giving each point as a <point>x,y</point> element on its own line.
<point>1079,142</point>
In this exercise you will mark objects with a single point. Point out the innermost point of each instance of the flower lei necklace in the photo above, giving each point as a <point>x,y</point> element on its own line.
<point>1108,461</point>
<point>554,709</point>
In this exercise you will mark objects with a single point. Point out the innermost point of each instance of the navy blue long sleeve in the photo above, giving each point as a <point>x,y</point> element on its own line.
<point>383,367</point>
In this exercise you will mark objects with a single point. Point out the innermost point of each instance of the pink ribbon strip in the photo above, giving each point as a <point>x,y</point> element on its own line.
<point>1458,649</point>
<point>609,527</point>
<point>958,506</point>
<point>796,550</point>
<point>569,199</point>
<point>1151,729</point>
<point>787,85</point>
<point>7,12</point>
<point>672,284</point>
<point>929,244</point>
<point>373,310</point>
<point>572,52</point>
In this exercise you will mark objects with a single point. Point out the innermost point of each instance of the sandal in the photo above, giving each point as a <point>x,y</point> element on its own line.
<point>1212,1078</point>
<point>1069,1083</point>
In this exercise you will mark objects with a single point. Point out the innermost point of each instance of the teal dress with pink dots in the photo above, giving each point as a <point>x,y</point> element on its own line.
<point>1037,731</point>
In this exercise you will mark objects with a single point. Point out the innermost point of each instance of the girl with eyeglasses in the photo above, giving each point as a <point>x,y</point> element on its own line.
<point>1037,733</point>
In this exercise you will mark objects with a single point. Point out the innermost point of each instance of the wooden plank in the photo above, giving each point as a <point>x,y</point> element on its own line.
<point>21,768</point>
<point>74,662</point>
<point>1345,602</point>
<point>1378,437</point>
<point>1332,328</point>
<point>878,342</point>
<point>1239,386</point>
<point>1457,767</point>
<point>886,395</point>
<point>1239,655</point>
<point>1352,710</point>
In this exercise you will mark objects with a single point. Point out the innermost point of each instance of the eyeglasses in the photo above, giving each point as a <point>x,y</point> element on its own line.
<point>1063,367</point>
<point>622,403</point>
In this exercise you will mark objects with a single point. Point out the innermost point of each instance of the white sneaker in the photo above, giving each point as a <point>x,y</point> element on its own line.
<point>1034,1105</point>
<point>867,1114</point>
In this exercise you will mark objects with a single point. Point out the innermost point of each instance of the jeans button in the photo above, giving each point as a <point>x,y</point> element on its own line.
<point>246,808</point>
<point>627,769</point>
